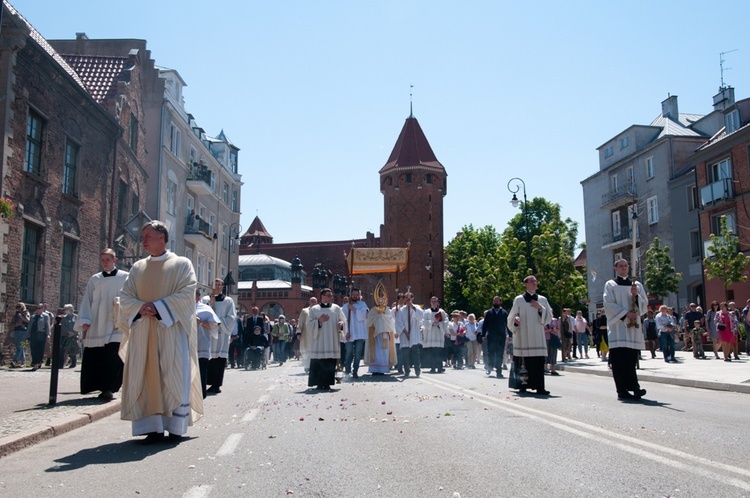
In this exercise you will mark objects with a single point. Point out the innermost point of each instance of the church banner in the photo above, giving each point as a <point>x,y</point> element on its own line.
<point>377,260</point>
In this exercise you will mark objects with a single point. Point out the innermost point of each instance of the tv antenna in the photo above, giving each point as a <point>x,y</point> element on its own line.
<point>722,60</point>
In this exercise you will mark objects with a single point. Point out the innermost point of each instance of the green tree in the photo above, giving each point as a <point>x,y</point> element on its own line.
<point>553,252</point>
<point>539,211</point>
<point>475,264</point>
<point>661,277</point>
<point>726,262</point>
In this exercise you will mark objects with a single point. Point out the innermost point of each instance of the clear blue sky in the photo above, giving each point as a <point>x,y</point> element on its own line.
<point>315,92</point>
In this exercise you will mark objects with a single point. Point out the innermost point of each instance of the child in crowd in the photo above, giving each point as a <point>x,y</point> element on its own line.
<point>697,334</point>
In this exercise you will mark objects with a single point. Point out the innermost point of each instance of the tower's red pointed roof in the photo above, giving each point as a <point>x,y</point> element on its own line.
<point>411,149</point>
<point>257,230</point>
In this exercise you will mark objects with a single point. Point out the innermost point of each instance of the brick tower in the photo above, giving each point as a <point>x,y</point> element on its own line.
<point>413,183</point>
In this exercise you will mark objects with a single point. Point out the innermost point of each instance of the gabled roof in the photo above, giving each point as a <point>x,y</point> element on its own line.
<point>42,42</point>
<point>100,74</point>
<point>257,229</point>
<point>412,149</point>
<point>672,128</point>
<point>222,136</point>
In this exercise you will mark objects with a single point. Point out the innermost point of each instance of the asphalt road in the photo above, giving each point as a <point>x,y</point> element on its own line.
<point>455,434</point>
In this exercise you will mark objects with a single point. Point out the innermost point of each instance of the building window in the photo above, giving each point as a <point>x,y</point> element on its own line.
<point>135,202</point>
<point>732,121</point>
<point>730,223</point>
<point>233,161</point>
<point>66,271</point>
<point>653,210</point>
<point>172,197</point>
<point>720,170</point>
<point>616,225</point>
<point>630,174</point>
<point>70,168</point>
<point>695,244</point>
<point>692,197</point>
<point>34,128</point>
<point>624,142</point>
<point>174,139</point>
<point>122,201</point>
<point>618,257</point>
<point>211,224</point>
<point>224,238</point>
<point>225,194</point>
<point>608,152</point>
<point>234,201</point>
<point>193,155</point>
<point>210,272</point>
<point>199,265</point>
<point>189,254</point>
<point>428,178</point>
<point>31,239</point>
<point>408,178</point>
<point>650,167</point>
<point>613,183</point>
<point>133,138</point>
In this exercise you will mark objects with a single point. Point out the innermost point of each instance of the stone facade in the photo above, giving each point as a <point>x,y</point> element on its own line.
<point>51,246</point>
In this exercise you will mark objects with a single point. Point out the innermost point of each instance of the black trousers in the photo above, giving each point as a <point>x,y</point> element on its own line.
<point>235,348</point>
<point>101,369</point>
<point>216,367</point>
<point>412,356</point>
<point>624,361</point>
<point>322,372</point>
<point>535,369</point>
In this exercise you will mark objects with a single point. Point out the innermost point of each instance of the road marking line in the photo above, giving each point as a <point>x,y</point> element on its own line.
<point>271,387</point>
<point>263,398</point>
<point>229,445</point>
<point>585,430</point>
<point>197,492</point>
<point>249,416</point>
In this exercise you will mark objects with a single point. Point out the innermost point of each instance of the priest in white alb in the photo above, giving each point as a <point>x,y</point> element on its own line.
<point>326,327</point>
<point>101,368</point>
<point>161,381</point>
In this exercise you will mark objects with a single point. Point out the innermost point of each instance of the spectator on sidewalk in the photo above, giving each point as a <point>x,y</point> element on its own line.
<point>652,334</point>
<point>725,323</point>
<point>713,333</point>
<point>580,325</point>
<point>39,332</point>
<point>20,327</point>
<point>697,334</point>
<point>68,337</point>
<point>665,326</point>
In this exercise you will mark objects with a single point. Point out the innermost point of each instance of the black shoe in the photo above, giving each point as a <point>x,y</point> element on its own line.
<point>72,365</point>
<point>625,395</point>
<point>521,390</point>
<point>639,393</point>
<point>152,437</point>
<point>432,370</point>
<point>554,373</point>
<point>500,375</point>
<point>106,396</point>
<point>355,375</point>
<point>542,392</point>
<point>174,438</point>
<point>417,372</point>
<point>47,363</point>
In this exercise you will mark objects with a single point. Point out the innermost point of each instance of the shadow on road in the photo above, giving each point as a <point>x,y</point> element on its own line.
<point>122,452</point>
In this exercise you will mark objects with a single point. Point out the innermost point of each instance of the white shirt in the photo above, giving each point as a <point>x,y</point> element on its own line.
<point>355,319</point>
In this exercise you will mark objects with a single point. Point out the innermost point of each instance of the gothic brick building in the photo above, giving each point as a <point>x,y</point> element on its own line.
<point>413,183</point>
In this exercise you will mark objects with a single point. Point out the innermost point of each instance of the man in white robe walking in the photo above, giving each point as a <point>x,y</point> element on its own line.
<point>101,368</point>
<point>225,310</point>
<point>161,381</point>
<point>326,322</point>
<point>625,302</point>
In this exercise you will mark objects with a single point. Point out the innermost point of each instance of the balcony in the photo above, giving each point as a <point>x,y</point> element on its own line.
<point>622,196</point>
<point>199,181</point>
<point>197,231</point>
<point>717,192</point>
<point>614,240</point>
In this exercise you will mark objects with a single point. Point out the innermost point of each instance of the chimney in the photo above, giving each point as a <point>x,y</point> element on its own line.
<point>133,57</point>
<point>724,99</point>
<point>81,36</point>
<point>669,108</point>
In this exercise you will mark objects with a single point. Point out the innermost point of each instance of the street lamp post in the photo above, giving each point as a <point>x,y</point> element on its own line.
<point>234,234</point>
<point>519,185</point>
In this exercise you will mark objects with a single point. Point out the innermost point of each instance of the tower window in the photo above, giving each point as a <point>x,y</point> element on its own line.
<point>408,178</point>
<point>428,178</point>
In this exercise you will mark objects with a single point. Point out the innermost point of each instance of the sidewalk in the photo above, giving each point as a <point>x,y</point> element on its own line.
<point>688,371</point>
<point>26,419</point>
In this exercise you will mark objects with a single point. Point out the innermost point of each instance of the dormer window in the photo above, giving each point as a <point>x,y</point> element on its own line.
<point>608,151</point>
<point>732,121</point>
<point>624,142</point>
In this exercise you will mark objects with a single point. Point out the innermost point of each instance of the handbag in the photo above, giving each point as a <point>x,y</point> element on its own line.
<point>721,326</point>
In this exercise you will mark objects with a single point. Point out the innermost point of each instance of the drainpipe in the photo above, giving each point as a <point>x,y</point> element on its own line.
<point>111,232</point>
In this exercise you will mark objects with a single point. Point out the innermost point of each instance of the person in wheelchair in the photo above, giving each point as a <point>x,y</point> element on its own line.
<point>254,351</point>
